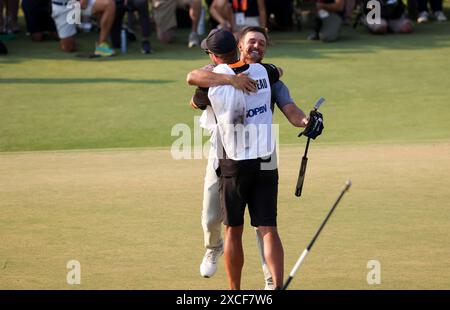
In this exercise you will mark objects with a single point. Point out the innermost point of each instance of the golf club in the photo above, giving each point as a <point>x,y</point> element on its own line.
<point>310,245</point>
<point>301,174</point>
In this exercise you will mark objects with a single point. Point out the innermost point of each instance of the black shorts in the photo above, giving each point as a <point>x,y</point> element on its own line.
<point>38,16</point>
<point>243,183</point>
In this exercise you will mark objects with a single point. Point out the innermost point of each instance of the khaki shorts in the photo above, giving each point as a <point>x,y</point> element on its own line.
<point>164,13</point>
<point>62,14</point>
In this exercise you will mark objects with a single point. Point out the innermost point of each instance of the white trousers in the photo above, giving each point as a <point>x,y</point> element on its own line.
<point>212,215</point>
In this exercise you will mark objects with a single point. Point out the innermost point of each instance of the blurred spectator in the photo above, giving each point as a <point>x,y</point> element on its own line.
<point>329,17</point>
<point>280,14</point>
<point>123,6</point>
<point>165,18</point>
<point>213,23</point>
<point>349,8</point>
<point>411,9</point>
<point>8,22</point>
<point>249,13</point>
<point>63,10</point>
<point>392,18</point>
<point>222,12</point>
<point>436,9</point>
<point>116,27</point>
<point>235,15</point>
<point>141,7</point>
<point>38,17</point>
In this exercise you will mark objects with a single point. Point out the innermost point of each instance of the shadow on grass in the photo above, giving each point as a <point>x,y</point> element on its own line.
<point>80,81</point>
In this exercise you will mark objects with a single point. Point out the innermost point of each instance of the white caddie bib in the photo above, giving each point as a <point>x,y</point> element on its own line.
<point>244,121</point>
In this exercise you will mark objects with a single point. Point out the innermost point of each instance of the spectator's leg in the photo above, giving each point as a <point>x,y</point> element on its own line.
<point>165,19</point>
<point>331,27</point>
<point>436,8</point>
<point>66,31</point>
<point>222,12</point>
<point>349,7</point>
<point>131,18</point>
<point>2,20</point>
<point>107,11</point>
<point>195,10</point>
<point>46,20</point>
<point>12,12</point>
<point>29,13</point>
<point>67,44</point>
<point>422,6</point>
<point>117,24</point>
<point>144,17</point>
<point>38,19</point>
<point>412,9</point>
<point>436,5</point>
<point>422,9</point>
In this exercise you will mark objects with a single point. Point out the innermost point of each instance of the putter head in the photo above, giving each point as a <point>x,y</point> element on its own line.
<point>319,103</point>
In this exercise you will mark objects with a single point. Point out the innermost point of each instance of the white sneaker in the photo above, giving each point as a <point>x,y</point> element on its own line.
<point>440,16</point>
<point>423,17</point>
<point>208,267</point>
<point>193,40</point>
<point>267,278</point>
<point>269,284</point>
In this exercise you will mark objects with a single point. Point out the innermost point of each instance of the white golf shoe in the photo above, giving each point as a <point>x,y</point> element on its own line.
<point>208,267</point>
<point>267,278</point>
<point>269,284</point>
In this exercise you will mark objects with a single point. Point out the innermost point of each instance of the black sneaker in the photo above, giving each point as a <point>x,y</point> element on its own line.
<point>146,47</point>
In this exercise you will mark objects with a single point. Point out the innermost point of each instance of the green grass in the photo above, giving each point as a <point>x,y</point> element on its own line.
<point>390,88</point>
<point>132,216</point>
<point>132,219</point>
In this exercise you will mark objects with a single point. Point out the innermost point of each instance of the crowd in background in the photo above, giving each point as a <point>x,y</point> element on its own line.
<point>114,19</point>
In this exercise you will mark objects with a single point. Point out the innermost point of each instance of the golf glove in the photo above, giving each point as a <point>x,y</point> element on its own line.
<point>315,125</point>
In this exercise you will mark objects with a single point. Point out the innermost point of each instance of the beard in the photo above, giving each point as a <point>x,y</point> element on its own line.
<point>254,55</point>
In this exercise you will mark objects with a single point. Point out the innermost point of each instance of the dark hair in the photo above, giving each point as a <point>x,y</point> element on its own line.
<point>254,29</point>
<point>230,57</point>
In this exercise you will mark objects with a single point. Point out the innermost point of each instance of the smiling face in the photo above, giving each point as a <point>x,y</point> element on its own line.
<point>252,47</point>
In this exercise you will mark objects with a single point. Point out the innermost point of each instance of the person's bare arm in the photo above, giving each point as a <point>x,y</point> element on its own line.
<point>262,13</point>
<point>295,115</point>
<point>337,6</point>
<point>202,78</point>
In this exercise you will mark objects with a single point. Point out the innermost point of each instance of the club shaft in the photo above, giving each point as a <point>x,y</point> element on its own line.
<point>301,177</point>
<point>296,267</point>
<point>307,147</point>
<point>299,263</point>
<point>311,243</point>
